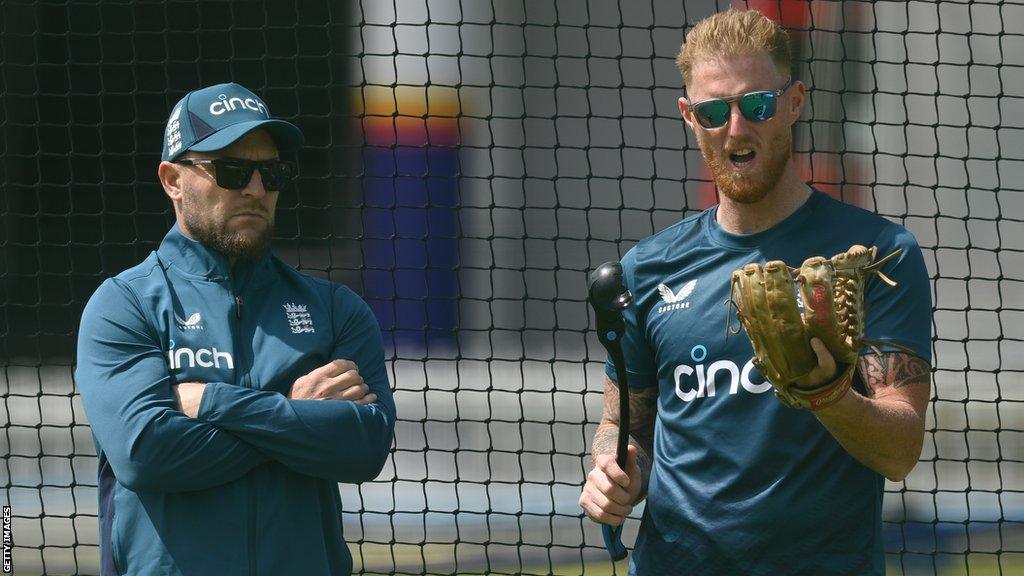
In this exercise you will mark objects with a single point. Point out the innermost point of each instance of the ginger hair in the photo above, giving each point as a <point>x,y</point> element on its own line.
<point>734,33</point>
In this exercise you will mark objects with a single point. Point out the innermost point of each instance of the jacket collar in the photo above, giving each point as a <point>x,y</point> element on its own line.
<point>196,259</point>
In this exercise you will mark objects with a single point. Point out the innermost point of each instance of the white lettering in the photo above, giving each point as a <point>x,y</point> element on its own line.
<point>676,306</point>
<point>199,358</point>
<point>689,394</point>
<point>734,375</point>
<point>179,357</point>
<point>217,356</point>
<point>186,352</point>
<point>706,379</point>
<point>225,104</point>
<point>750,386</point>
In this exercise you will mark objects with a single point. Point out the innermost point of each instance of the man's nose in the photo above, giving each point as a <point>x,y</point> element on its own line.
<point>738,123</point>
<point>255,186</point>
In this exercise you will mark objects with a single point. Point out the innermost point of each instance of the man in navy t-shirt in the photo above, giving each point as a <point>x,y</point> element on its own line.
<point>735,481</point>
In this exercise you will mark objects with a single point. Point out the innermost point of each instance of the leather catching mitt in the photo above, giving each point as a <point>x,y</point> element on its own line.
<point>832,293</point>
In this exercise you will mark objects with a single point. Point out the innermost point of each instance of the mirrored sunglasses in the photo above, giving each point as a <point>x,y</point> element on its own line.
<point>755,106</point>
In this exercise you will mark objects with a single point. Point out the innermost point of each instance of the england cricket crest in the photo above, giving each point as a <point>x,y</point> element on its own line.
<point>298,318</point>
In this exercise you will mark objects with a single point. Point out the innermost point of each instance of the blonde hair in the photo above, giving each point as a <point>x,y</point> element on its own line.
<point>734,33</point>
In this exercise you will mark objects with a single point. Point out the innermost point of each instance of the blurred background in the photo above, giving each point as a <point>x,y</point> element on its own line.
<point>467,163</point>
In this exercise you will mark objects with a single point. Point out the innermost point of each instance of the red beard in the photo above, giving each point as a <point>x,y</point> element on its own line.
<point>750,188</point>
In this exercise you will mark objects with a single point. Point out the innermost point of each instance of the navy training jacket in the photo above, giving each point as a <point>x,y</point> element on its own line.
<point>250,485</point>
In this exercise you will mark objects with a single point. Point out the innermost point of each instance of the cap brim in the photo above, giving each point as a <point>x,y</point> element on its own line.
<point>286,135</point>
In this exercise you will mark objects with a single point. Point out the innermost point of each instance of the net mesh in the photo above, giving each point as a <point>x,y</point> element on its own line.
<point>466,164</point>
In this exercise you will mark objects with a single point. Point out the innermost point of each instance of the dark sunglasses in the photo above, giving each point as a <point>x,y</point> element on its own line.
<point>755,106</point>
<point>235,173</point>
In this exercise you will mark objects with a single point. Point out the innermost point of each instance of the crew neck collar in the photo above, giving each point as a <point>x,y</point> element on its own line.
<point>732,241</point>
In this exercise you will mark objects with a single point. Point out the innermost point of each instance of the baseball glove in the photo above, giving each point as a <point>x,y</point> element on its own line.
<point>832,293</point>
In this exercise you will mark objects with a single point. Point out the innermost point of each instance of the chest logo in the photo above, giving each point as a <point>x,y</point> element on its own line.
<point>194,322</point>
<point>675,300</point>
<point>298,318</point>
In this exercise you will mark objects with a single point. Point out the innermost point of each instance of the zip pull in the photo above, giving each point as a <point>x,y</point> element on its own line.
<point>238,307</point>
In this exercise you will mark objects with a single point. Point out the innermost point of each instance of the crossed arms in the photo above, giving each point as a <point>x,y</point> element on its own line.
<point>152,444</point>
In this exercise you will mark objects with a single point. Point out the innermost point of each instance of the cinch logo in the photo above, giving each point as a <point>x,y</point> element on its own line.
<point>675,300</point>
<point>225,104</point>
<point>684,376</point>
<point>205,357</point>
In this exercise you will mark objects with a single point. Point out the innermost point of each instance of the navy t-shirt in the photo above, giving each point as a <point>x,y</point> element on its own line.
<point>742,484</point>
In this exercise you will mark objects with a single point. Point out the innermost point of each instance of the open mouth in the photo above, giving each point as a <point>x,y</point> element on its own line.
<point>742,157</point>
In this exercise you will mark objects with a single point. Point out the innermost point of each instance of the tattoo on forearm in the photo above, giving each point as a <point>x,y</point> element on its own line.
<point>895,369</point>
<point>643,411</point>
<point>605,439</point>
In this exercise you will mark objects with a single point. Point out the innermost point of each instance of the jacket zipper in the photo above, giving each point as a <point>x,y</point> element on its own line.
<point>245,381</point>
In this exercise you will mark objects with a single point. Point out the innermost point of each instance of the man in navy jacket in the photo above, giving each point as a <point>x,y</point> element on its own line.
<point>228,394</point>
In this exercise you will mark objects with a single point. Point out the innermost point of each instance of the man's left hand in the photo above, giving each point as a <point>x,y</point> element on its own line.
<point>824,372</point>
<point>189,395</point>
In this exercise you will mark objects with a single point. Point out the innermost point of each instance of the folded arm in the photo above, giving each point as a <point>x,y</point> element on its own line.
<point>341,440</point>
<point>127,393</point>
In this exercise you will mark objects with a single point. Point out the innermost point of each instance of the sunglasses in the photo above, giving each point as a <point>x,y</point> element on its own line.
<point>755,106</point>
<point>235,173</point>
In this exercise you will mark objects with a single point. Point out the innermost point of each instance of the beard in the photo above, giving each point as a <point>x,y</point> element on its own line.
<point>752,187</point>
<point>242,246</point>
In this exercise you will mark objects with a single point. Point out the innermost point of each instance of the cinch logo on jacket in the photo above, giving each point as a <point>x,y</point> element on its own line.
<point>205,357</point>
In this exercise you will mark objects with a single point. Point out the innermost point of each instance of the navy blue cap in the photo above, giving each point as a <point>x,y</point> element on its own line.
<point>214,117</point>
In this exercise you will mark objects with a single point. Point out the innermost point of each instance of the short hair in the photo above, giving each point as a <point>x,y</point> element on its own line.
<point>734,33</point>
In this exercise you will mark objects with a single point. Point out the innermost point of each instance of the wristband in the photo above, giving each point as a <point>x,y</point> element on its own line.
<point>825,395</point>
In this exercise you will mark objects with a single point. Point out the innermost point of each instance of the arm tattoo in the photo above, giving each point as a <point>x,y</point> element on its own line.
<point>643,411</point>
<point>896,369</point>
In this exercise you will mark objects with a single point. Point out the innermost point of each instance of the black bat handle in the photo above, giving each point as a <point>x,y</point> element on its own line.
<point>621,449</point>
<point>609,296</point>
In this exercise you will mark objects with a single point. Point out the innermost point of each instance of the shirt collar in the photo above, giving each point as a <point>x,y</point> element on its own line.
<point>195,258</point>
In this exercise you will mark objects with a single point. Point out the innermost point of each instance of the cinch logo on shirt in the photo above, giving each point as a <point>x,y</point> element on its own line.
<point>205,357</point>
<point>675,300</point>
<point>684,375</point>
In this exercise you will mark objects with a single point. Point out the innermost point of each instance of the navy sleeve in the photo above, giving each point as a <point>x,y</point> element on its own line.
<point>334,439</point>
<point>901,313</point>
<point>636,351</point>
<point>126,390</point>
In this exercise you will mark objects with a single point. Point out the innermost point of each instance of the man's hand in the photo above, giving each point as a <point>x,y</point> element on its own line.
<point>609,494</point>
<point>189,395</point>
<point>336,380</point>
<point>824,372</point>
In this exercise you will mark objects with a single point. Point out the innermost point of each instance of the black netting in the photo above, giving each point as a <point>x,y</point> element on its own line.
<point>466,164</point>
